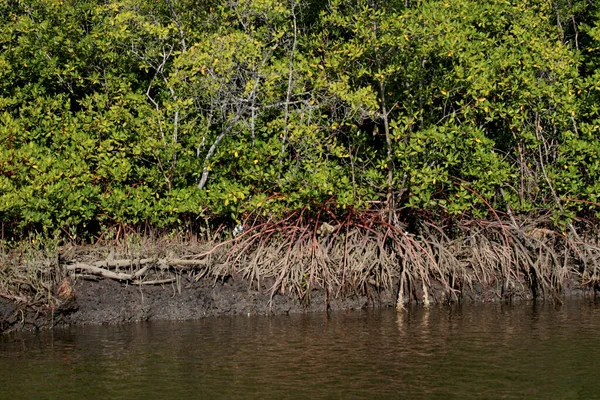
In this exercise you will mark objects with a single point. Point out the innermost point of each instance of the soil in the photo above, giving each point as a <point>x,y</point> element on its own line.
<point>106,301</point>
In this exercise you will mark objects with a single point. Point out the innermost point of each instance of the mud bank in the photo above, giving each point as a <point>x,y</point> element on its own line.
<point>272,269</point>
<point>105,301</point>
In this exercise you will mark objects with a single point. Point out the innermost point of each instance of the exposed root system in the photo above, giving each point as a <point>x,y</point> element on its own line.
<point>433,265</point>
<point>361,255</point>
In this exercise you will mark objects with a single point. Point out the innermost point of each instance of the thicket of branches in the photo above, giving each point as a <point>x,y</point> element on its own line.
<point>122,113</point>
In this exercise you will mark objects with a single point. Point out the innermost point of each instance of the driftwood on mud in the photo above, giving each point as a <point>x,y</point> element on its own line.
<point>101,268</point>
<point>100,271</point>
<point>123,263</point>
<point>155,282</point>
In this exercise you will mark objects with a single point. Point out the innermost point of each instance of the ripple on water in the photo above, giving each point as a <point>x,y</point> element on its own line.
<point>476,351</point>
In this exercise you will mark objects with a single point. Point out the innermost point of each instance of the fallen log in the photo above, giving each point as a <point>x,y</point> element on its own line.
<point>139,273</point>
<point>154,282</point>
<point>123,263</point>
<point>171,262</point>
<point>184,262</point>
<point>100,271</point>
<point>101,268</point>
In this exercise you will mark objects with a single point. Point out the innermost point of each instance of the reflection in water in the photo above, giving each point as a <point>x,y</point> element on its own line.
<point>483,351</point>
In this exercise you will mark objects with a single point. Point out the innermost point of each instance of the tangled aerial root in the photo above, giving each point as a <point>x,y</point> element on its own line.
<point>360,254</point>
<point>432,265</point>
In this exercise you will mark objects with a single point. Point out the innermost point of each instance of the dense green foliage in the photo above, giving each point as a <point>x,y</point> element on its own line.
<point>128,112</point>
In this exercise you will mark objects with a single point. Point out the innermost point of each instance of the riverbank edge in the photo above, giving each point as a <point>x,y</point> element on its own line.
<point>146,278</point>
<point>106,301</point>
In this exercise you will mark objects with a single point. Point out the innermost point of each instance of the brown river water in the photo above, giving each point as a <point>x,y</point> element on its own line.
<point>484,351</point>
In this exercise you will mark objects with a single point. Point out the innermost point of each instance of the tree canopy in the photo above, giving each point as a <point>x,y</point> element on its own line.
<point>129,112</point>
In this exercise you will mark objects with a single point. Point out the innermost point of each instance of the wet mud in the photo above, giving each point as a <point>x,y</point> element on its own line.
<point>106,301</point>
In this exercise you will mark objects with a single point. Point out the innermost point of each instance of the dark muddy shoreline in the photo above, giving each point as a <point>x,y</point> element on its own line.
<point>106,301</point>
<point>273,270</point>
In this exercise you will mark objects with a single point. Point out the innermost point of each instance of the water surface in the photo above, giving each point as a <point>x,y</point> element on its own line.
<point>474,351</point>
